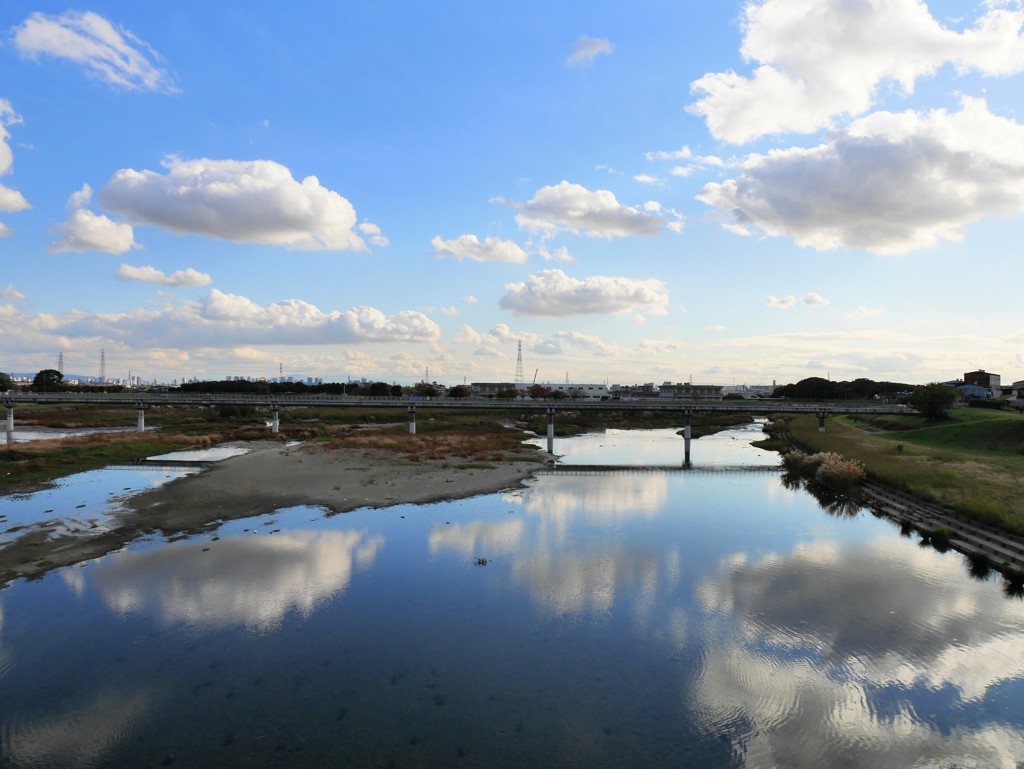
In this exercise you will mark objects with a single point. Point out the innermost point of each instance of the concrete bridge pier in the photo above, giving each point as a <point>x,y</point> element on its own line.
<point>412,420</point>
<point>10,423</point>
<point>551,430</point>
<point>686,437</point>
<point>275,422</point>
<point>821,421</point>
<point>140,424</point>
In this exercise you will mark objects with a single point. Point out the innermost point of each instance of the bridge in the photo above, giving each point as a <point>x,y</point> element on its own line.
<point>274,402</point>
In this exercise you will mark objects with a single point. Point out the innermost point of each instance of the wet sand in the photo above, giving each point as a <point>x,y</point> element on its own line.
<point>271,476</point>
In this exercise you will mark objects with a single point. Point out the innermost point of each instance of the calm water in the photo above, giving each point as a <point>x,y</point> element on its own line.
<point>629,618</point>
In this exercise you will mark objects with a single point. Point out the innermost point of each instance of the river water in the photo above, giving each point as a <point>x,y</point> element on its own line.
<point>712,617</point>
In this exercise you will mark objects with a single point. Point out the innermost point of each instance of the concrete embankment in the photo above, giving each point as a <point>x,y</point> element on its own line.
<point>1004,550</point>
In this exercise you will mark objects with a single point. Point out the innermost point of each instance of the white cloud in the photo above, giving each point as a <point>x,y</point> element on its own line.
<point>824,58</point>
<point>784,303</point>
<point>80,198</point>
<point>372,231</point>
<point>560,254</point>
<point>781,304</point>
<point>88,231</point>
<point>11,201</point>
<point>572,207</point>
<point>683,153</point>
<point>587,49</point>
<point>12,293</point>
<point>890,183</point>
<point>255,201</point>
<point>552,293</point>
<point>469,247</point>
<point>717,327</point>
<point>218,321</point>
<point>648,179</point>
<point>814,299</point>
<point>115,56</point>
<point>178,278</point>
<point>470,299</point>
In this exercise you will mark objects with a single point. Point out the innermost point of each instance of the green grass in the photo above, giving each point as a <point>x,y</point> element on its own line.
<point>972,462</point>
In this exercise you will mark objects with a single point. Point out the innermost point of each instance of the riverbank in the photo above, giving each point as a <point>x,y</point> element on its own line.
<point>971,463</point>
<point>269,477</point>
<point>272,476</point>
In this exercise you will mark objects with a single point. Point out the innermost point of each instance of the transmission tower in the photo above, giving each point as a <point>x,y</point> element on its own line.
<point>60,362</point>
<point>519,365</point>
<point>103,366</point>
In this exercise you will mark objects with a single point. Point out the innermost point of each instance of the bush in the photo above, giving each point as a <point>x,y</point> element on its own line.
<point>827,468</point>
<point>837,472</point>
<point>982,403</point>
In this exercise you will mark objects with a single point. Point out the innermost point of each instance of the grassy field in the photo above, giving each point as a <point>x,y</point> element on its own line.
<point>973,461</point>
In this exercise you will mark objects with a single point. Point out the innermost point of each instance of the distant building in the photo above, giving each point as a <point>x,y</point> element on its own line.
<point>637,392</point>
<point>579,390</point>
<point>490,389</point>
<point>688,391</point>
<point>982,378</point>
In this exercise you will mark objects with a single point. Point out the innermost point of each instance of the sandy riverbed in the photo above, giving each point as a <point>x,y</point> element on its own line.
<point>271,476</point>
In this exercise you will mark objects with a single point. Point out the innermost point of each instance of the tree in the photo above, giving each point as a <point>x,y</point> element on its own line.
<point>425,390</point>
<point>49,379</point>
<point>933,400</point>
<point>538,392</point>
<point>459,391</point>
<point>5,382</point>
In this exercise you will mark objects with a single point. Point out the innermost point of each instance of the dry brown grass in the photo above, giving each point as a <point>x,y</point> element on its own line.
<point>472,445</point>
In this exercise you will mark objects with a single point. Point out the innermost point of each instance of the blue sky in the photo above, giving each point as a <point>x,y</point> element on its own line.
<point>729,192</point>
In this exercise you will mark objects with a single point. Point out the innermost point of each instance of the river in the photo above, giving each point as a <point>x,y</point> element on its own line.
<point>711,617</point>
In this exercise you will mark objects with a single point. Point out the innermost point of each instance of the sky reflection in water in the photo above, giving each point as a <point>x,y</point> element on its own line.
<point>626,618</point>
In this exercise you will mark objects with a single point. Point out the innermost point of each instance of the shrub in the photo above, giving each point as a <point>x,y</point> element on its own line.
<point>837,472</point>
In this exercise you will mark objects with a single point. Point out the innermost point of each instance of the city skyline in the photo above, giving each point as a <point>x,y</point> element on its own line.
<point>735,192</point>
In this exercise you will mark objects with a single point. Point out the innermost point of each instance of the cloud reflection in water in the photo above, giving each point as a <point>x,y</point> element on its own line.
<point>797,677</point>
<point>251,580</point>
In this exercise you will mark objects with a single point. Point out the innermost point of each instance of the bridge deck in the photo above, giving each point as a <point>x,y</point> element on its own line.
<point>284,400</point>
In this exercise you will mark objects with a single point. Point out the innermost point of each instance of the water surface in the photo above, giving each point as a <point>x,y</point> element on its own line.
<point>659,619</point>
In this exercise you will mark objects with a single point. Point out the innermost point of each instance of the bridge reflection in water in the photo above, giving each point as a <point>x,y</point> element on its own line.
<point>572,470</point>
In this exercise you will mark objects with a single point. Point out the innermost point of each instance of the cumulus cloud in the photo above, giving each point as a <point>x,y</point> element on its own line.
<point>784,303</point>
<point>814,299</point>
<point>177,279</point>
<point>648,179</point>
<point>254,201</point>
<point>889,183</point>
<point>819,59</point>
<point>217,321</point>
<point>115,56</point>
<point>372,231</point>
<point>469,247</point>
<point>560,254</point>
<point>587,49</point>
<point>596,213</point>
<point>11,201</point>
<point>552,293</point>
<point>470,299</point>
<point>88,231</point>
<point>781,304</point>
